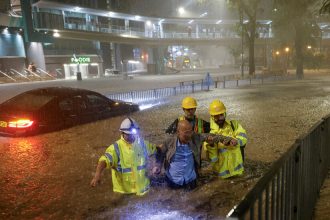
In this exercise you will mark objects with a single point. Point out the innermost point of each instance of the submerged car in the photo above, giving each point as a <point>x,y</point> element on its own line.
<point>53,108</point>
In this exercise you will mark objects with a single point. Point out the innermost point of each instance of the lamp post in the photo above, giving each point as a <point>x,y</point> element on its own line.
<point>242,37</point>
<point>287,50</point>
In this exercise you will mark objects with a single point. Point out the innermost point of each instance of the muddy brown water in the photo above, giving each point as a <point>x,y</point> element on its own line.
<point>47,176</point>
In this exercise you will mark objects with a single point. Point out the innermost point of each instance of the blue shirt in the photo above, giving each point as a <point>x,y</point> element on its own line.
<point>182,169</point>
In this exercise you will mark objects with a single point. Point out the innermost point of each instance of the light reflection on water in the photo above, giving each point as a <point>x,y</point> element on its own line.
<point>144,211</point>
<point>23,171</point>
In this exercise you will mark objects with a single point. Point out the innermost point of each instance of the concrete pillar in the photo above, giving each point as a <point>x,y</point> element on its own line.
<point>67,71</point>
<point>35,54</point>
<point>197,31</point>
<point>126,24</point>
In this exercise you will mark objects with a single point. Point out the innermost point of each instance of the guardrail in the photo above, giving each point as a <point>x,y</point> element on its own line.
<point>186,87</point>
<point>289,190</point>
<point>150,95</point>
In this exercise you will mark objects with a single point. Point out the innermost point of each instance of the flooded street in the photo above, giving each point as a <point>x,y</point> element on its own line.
<point>47,176</point>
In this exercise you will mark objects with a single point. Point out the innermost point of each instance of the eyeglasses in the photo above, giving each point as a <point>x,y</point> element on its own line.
<point>189,109</point>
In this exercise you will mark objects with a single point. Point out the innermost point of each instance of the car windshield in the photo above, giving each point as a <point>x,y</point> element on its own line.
<point>29,101</point>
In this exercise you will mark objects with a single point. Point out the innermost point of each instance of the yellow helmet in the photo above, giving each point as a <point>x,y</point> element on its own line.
<point>217,107</point>
<point>189,102</point>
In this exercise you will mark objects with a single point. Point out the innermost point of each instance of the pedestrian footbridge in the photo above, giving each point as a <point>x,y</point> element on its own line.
<point>72,22</point>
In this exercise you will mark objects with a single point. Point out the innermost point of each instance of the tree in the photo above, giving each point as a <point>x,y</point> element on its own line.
<point>294,22</point>
<point>325,7</point>
<point>250,8</point>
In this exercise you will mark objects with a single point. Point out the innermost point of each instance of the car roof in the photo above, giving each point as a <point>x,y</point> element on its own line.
<point>36,98</point>
<point>59,91</point>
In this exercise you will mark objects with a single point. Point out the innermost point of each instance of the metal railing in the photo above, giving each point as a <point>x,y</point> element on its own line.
<point>150,95</point>
<point>6,75</point>
<point>289,190</point>
<point>186,87</point>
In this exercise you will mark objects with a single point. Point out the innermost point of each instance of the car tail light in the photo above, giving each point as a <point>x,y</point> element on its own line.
<point>21,123</point>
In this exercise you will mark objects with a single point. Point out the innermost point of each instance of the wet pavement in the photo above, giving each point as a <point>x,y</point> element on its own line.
<point>47,176</point>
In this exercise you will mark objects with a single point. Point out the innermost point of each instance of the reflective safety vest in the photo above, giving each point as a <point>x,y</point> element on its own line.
<point>227,160</point>
<point>198,125</point>
<point>128,163</point>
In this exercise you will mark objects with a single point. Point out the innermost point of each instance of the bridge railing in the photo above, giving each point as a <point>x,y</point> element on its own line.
<point>289,190</point>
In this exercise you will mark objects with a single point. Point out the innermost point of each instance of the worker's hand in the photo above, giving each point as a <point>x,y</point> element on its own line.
<point>159,147</point>
<point>95,181</point>
<point>156,170</point>
<point>233,142</point>
<point>227,141</point>
<point>209,139</point>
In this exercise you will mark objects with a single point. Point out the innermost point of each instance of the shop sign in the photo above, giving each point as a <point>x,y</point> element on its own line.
<point>80,59</point>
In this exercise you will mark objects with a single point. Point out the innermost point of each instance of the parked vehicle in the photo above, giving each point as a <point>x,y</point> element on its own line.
<point>53,108</point>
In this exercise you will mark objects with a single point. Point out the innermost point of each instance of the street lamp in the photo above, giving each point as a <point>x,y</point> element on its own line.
<point>181,10</point>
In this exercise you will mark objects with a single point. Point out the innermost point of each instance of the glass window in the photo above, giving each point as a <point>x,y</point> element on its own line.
<point>29,101</point>
<point>66,105</point>
<point>97,101</point>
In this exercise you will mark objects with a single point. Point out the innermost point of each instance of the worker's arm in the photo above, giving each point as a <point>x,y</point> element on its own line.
<point>206,126</point>
<point>99,169</point>
<point>216,138</point>
<point>172,128</point>
<point>106,161</point>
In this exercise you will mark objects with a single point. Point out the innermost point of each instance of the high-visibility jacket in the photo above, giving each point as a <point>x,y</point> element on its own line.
<point>128,163</point>
<point>198,125</point>
<point>227,160</point>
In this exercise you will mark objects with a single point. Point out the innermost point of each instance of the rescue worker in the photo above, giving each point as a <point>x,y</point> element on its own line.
<point>128,159</point>
<point>189,105</point>
<point>226,160</point>
<point>180,155</point>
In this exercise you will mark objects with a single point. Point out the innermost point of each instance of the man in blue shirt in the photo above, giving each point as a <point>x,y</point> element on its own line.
<point>181,155</point>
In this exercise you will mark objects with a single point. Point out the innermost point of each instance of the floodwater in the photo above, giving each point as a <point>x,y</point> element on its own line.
<point>47,176</point>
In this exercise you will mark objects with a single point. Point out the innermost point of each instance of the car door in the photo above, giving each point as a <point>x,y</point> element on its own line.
<point>84,111</point>
<point>100,105</point>
<point>68,111</point>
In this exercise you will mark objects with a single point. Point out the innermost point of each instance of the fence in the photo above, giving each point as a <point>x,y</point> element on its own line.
<point>187,87</point>
<point>290,189</point>
<point>157,94</point>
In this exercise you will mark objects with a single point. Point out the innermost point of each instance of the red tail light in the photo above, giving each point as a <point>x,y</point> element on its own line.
<point>21,123</point>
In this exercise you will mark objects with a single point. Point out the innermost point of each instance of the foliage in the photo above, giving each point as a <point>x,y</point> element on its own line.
<point>325,8</point>
<point>314,61</point>
<point>294,23</point>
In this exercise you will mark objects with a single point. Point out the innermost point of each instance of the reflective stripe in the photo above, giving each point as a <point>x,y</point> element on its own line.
<point>107,155</point>
<point>200,127</point>
<point>222,150</point>
<point>239,166</point>
<point>243,135</point>
<point>214,159</point>
<point>117,152</point>
<point>125,170</point>
<point>142,167</point>
<point>119,169</point>
<point>145,189</point>
<point>226,172</point>
<point>240,142</point>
